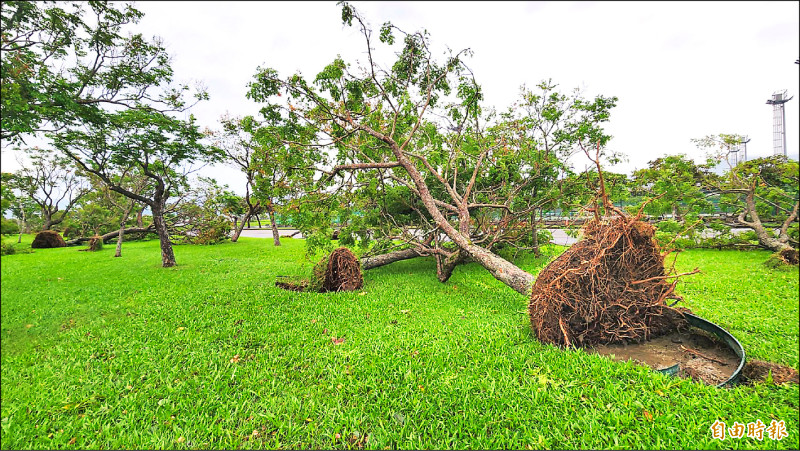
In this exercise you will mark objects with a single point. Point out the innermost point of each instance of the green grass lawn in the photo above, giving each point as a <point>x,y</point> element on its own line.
<point>103,352</point>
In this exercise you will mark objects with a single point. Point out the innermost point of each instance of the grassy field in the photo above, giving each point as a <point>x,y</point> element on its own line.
<point>102,352</point>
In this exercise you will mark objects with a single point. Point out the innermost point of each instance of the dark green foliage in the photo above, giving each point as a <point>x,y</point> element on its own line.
<point>8,249</point>
<point>8,227</point>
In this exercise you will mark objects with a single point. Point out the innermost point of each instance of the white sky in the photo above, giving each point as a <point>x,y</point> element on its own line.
<point>681,70</point>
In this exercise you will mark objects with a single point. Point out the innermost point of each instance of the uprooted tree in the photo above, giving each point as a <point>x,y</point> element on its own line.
<point>415,133</point>
<point>413,146</point>
<point>761,190</point>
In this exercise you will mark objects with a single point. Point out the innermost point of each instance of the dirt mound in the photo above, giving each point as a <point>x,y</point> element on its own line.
<point>95,243</point>
<point>47,239</point>
<point>790,256</point>
<point>291,283</point>
<point>610,287</point>
<point>343,272</point>
<point>757,371</point>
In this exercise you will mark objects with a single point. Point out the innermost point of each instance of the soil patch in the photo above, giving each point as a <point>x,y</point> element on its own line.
<point>700,355</point>
<point>757,371</point>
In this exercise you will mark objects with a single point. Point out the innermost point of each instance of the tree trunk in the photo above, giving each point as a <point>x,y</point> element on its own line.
<point>259,221</point>
<point>445,266</point>
<point>377,261</point>
<point>535,236</point>
<point>139,219</point>
<point>118,252</point>
<point>167,255</point>
<point>276,238</point>
<point>110,235</point>
<point>122,221</point>
<point>22,223</point>
<point>46,223</point>
<point>237,230</point>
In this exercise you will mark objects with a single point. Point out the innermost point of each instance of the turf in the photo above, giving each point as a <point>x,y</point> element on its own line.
<point>103,352</point>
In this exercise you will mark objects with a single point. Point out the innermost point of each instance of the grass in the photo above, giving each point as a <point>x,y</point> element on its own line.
<point>102,352</point>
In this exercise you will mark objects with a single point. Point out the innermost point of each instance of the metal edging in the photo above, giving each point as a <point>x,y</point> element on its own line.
<point>723,335</point>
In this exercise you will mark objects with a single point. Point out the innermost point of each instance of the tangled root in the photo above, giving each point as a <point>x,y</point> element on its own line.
<point>610,287</point>
<point>343,272</point>
<point>95,243</point>
<point>47,239</point>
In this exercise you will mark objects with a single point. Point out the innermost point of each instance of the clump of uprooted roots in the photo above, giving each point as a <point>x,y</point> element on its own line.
<point>339,271</point>
<point>47,239</point>
<point>95,243</point>
<point>609,287</point>
<point>343,272</point>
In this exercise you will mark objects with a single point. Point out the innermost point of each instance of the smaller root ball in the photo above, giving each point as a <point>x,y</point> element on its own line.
<point>343,272</point>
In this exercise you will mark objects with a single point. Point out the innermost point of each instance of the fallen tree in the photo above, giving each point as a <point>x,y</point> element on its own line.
<point>115,234</point>
<point>394,130</point>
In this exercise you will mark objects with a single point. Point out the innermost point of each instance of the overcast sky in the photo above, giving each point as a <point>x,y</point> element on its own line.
<point>681,70</point>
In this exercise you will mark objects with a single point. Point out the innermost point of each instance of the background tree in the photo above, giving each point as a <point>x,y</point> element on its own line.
<point>275,169</point>
<point>19,204</point>
<point>64,63</point>
<point>759,190</point>
<point>53,183</point>
<point>198,215</point>
<point>157,145</point>
<point>134,182</point>
<point>676,183</point>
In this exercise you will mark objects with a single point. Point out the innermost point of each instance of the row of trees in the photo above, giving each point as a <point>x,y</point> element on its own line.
<point>406,157</point>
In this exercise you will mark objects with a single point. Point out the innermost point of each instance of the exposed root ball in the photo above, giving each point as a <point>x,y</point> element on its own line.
<point>343,272</point>
<point>609,287</point>
<point>95,243</point>
<point>47,239</point>
<point>789,255</point>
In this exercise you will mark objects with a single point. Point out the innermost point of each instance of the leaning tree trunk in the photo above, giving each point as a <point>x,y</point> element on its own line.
<point>500,268</point>
<point>110,235</point>
<point>535,235</point>
<point>276,238</point>
<point>237,231</point>
<point>122,221</point>
<point>22,224</point>
<point>377,261</point>
<point>167,255</point>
